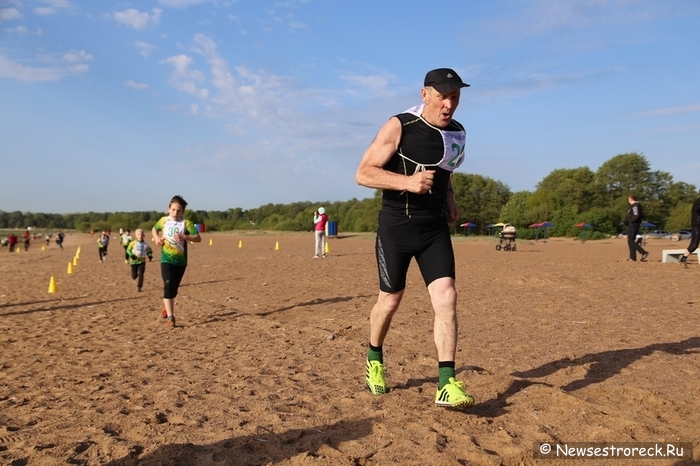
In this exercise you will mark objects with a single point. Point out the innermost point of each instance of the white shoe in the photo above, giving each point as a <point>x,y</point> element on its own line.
<point>315,256</point>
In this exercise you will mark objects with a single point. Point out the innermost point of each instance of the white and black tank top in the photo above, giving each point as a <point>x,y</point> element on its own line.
<point>424,147</point>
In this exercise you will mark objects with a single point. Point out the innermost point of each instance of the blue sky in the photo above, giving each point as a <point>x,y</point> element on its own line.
<point>116,106</point>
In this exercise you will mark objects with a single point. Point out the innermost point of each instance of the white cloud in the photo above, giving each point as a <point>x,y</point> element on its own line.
<point>378,84</point>
<point>7,14</point>
<point>544,16</point>
<point>19,30</point>
<point>671,111</point>
<point>250,102</point>
<point>145,48</point>
<point>52,7</point>
<point>135,85</point>
<point>13,70</point>
<point>184,78</point>
<point>137,19</point>
<point>181,3</point>
<point>255,96</point>
<point>75,56</point>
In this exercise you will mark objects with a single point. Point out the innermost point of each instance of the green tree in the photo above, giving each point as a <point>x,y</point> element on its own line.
<point>515,210</point>
<point>570,187</point>
<point>679,217</point>
<point>623,175</point>
<point>479,198</point>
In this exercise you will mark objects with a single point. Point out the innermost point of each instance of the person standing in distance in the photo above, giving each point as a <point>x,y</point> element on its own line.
<point>411,160</point>
<point>320,220</point>
<point>694,232</point>
<point>634,218</point>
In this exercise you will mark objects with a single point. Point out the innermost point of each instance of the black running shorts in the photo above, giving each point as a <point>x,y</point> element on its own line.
<point>401,238</point>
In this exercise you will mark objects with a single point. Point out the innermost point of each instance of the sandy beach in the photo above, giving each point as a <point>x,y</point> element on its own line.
<point>559,342</point>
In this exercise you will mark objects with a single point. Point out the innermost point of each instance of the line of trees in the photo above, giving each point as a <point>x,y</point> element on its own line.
<point>564,197</point>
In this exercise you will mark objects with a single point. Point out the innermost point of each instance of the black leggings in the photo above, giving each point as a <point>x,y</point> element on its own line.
<point>694,239</point>
<point>137,271</point>
<point>172,276</point>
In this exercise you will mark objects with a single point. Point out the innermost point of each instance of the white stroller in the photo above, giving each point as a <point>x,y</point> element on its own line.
<point>506,238</point>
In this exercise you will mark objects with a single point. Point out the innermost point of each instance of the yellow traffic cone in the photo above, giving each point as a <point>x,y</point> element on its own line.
<point>78,252</point>
<point>328,249</point>
<point>43,248</point>
<point>240,243</point>
<point>52,286</point>
<point>211,241</point>
<point>70,268</point>
<point>75,261</point>
<point>277,246</point>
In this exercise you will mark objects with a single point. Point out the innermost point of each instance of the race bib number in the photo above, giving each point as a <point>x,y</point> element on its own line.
<point>170,230</point>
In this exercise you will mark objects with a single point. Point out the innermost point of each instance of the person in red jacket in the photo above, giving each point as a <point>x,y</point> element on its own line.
<point>27,238</point>
<point>320,220</point>
<point>12,241</point>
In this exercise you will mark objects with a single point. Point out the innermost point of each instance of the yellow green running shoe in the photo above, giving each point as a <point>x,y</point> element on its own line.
<point>453,395</point>
<point>375,377</point>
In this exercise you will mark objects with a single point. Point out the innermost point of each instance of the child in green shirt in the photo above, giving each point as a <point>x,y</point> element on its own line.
<point>171,234</point>
<point>138,251</point>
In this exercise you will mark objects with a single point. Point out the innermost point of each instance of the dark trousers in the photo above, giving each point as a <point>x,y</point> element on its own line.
<point>634,247</point>
<point>137,271</point>
<point>694,239</point>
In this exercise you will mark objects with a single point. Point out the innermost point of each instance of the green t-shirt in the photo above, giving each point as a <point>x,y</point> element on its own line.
<point>173,251</point>
<point>138,252</point>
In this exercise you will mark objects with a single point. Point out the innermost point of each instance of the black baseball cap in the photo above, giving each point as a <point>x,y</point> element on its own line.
<point>444,80</point>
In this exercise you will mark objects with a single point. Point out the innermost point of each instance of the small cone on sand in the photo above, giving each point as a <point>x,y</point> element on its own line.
<point>52,285</point>
<point>240,243</point>
<point>70,269</point>
<point>211,241</point>
<point>75,261</point>
<point>328,249</point>
<point>277,246</point>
